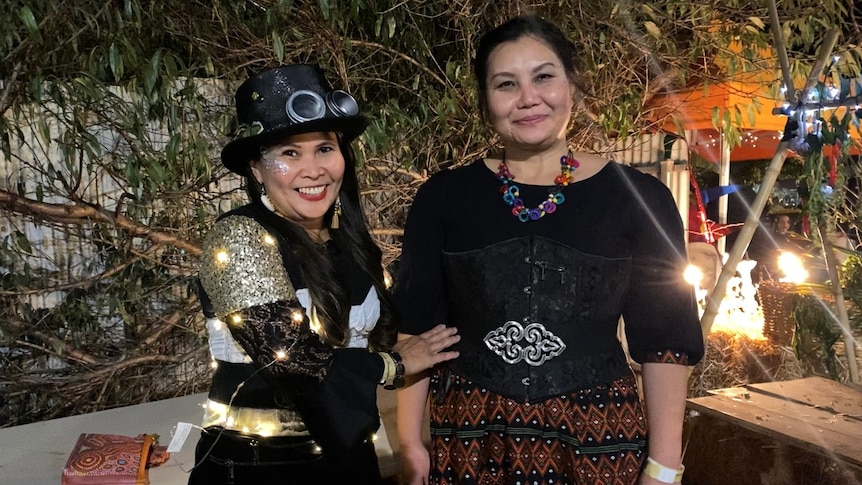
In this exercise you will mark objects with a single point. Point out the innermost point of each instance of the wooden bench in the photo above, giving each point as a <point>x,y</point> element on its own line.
<point>805,431</point>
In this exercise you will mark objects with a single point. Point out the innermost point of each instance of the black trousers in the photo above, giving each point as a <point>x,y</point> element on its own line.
<point>229,458</point>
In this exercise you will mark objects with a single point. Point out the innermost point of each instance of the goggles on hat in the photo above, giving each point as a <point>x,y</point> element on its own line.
<point>305,105</point>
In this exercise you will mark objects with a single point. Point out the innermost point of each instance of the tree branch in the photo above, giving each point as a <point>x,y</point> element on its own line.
<point>63,349</point>
<point>81,213</point>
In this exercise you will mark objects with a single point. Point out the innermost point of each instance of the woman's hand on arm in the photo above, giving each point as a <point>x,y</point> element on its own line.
<point>423,351</point>
<point>665,389</point>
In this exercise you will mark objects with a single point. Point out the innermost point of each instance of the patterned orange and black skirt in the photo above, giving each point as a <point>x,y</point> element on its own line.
<point>591,436</point>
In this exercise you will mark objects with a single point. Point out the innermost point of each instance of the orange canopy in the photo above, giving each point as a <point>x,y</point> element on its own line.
<point>745,101</point>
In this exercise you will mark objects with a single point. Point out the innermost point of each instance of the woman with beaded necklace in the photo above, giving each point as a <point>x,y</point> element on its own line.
<point>534,255</point>
<point>299,319</point>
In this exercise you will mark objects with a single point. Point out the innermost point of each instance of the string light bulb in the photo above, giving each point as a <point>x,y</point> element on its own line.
<point>297,316</point>
<point>222,256</point>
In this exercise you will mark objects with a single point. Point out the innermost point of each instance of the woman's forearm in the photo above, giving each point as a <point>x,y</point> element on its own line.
<point>411,401</point>
<point>665,389</point>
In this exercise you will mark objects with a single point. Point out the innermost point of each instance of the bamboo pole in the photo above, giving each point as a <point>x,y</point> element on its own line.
<point>744,238</point>
<point>840,305</point>
<point>781,48</point>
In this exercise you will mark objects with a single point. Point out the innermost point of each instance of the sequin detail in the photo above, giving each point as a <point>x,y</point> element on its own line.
<point>241,267</point>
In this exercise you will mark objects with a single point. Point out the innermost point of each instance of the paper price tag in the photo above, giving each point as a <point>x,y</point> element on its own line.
<point>179,438</point>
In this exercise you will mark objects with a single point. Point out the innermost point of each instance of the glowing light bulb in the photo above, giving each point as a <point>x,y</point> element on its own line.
<point>792,267</point>
<point>214,364</point>
<point>693,275</point>
<point>236,319</point>
<point>280,354</point>
<point>268,239</point>
<point>222,257</point>
<point>297,316</point>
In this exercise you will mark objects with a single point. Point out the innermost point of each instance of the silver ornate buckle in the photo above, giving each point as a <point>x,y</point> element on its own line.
<point>506,341</point>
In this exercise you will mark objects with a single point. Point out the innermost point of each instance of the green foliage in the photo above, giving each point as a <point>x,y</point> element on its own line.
<point>816,334</point>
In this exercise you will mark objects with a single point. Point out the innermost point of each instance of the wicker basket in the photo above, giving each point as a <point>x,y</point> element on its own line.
<point>777,300</point>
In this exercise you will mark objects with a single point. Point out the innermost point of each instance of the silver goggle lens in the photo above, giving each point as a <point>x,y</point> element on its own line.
<point>341,103</point>
<point>305,106</point>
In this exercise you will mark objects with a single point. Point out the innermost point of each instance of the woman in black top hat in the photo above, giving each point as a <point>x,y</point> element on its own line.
<point>299,320</point>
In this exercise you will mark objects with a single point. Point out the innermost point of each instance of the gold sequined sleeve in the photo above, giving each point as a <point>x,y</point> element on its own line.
<point>244,277</point>
<point>241,267</point>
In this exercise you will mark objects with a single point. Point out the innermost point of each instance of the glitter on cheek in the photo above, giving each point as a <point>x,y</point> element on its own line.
<point>275,165</point>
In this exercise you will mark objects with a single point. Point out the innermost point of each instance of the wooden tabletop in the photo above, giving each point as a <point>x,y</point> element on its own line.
<point>816,414</point>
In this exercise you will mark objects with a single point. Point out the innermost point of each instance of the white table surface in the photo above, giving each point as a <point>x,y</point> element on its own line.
<point>35,454</point>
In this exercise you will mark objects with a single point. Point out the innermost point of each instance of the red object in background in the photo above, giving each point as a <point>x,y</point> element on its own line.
<point>705,230</point>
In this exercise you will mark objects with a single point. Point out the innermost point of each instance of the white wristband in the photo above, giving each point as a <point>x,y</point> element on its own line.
<point>654,469</point>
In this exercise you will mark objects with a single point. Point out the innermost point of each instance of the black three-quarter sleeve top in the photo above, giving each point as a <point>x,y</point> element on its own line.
<point>617,214</point>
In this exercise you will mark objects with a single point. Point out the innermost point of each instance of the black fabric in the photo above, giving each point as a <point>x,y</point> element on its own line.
<point>228,458</point>
<point>568,292</point>
<point>617,213</point>
<point>255,392</point>
<point>341,410</point>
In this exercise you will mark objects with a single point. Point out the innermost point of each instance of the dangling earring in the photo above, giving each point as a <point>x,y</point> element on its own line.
<point>333,224</point>
<point>264,199</point>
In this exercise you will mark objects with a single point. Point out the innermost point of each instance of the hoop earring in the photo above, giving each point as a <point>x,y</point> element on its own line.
<point>336,213</point>
<point>264,199</point>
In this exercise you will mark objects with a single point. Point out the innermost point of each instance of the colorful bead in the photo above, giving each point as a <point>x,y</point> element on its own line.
<point>511,192</point>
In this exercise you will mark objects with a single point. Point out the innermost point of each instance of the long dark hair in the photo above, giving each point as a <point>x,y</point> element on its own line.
<point>326,285</point>
<point>513,29</point>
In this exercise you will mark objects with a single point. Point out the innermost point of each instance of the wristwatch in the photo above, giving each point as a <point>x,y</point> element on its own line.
<point>397,380</point>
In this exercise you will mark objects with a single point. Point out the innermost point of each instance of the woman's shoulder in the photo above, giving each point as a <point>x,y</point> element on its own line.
<point>241,266</point>
<point>463,172</point>
<point>457,178</point>
<point>237,223</point>
<point>634,179</point>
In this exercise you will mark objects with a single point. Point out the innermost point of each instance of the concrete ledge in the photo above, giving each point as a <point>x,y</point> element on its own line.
<point>35,454</point>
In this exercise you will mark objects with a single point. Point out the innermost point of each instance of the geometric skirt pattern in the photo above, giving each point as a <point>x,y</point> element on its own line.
<point>592,436</point>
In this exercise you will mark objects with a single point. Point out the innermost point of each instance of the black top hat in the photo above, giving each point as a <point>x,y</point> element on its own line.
<point>284,101</point>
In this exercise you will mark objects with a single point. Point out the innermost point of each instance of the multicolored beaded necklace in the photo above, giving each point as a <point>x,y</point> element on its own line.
<point>511,192</point>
